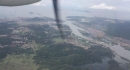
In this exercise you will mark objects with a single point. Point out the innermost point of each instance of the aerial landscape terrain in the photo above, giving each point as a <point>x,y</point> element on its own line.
<point>96,36</point>
<point>35,44</point>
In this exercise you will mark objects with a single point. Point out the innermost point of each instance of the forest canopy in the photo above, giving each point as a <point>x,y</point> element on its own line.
<point>67,56</point>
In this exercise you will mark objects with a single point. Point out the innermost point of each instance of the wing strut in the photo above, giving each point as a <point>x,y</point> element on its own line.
<point>57,16</point>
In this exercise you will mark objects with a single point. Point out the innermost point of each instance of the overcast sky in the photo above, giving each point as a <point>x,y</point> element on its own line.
<point>119,9</point>
<point>93,4</point>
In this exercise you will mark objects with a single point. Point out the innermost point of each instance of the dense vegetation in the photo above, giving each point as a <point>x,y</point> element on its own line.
<point>113,65</point>
<point>119,30</point>
<point>51,56</point>
<point>114,27</point>
<point>4,27</point>
<point>68,56</point>
<point>86,33</point>
<point>14,50</point>
<point>5,40</point>
<point>35,19</point>
<point>42,34</point>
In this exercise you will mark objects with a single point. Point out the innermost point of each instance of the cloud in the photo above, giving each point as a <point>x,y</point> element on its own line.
<point>39,4</point>
<point>103,6</point>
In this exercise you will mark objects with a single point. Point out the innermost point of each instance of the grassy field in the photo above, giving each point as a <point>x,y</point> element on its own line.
<point>58,40</point>
<point>21,62</point>
<point>18,62</point>
<point>32,45</point>
<point>82,41</point>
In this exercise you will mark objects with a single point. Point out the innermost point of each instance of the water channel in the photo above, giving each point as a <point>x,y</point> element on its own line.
<point>120,51</point>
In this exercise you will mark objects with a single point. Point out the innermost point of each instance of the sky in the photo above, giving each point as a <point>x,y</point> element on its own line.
<point>92,4</point>
<point>118,9</point>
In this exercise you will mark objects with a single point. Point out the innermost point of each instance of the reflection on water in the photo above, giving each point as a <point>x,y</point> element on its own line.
<point>121,51</point>
<point>120,60</point>
<point>75,29</point>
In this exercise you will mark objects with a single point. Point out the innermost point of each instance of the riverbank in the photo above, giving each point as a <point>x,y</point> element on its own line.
<point>115,49</point>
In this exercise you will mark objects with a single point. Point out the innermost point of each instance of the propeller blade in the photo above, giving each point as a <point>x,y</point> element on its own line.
<point>57,16</point>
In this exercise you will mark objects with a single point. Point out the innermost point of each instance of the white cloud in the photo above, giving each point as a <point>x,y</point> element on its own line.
<point>39,4</point>
<point>102,6</point>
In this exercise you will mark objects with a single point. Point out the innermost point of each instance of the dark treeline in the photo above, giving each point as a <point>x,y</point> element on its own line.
<point>42,34</point>
<point>45,19</point>
<point>113,65</point>
<point>86,34</point>
<point>6,40</point>
<point>4,28</point>
<point>68,56</point>
<point>115,28</point>
<point>119,30</point>
<point>14,50</point>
